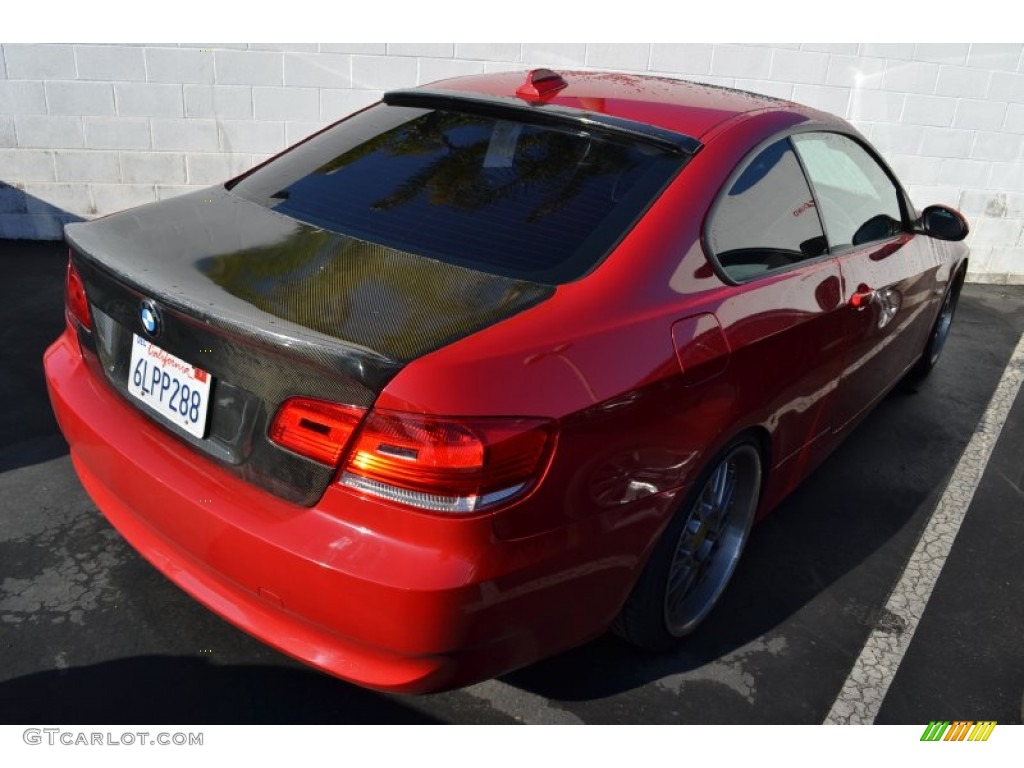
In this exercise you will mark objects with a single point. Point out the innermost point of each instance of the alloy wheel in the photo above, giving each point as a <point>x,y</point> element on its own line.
<point>712,539</point>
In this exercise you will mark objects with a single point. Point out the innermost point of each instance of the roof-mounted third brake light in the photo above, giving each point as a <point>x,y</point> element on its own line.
<point>540,83</point>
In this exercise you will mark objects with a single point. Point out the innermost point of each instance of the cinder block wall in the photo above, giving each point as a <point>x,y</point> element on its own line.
<point>90,129</point>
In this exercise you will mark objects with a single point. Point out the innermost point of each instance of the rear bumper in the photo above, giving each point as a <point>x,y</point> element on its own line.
<point>382,597</point>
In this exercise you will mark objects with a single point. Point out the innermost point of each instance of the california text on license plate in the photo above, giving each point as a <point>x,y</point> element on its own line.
<point>173,388</point>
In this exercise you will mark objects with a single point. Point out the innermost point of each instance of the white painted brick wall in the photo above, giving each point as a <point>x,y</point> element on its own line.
<point>110,198</point>
<point>286,103</point>
<point>442,69</point>
<point>372,72</point>
<point>558,54</point>
<point>433,50</point>
<point>334,105</point>
<point>318,70</point>
<point>1002,56</point>
<point>57,132</point>
<point>799,66</point>
<point>249,68</point>
<point>191,135</point>
<point>307,47</point>
<point>214,168</point>
<point>942,53</point>
<point>1006,86</point>
<point>75,165</point>
<point>857,72</point>
<point>741,61</point>
<point>231,102</point>
<point>678,57</point>
<point>887,50</point>
<point>40,62</point>
<point>78,98</point>
<point>633,56</point>
<point>110,62</point>
<point>1014,119</point>
<point>1006,176</point>
<point>22,97</point>
<point>149,99</point>
<point>120,132</point>
<point>490,51</point>
<point>981,115</point>
<point>249,136</point>
<point>173,65</point>
<point>970,173</point>
<point>143,167</point>
<point>7,135</point>
<point>928,110</point>
<point>28,165</point>
<point>946,142</point>
<point>294,131</point>
<point>90,129</point>
<point>876,106</point>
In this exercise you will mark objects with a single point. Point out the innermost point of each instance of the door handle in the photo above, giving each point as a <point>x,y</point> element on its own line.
<point>862,297</point>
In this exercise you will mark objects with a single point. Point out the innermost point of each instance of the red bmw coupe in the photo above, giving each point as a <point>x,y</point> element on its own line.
<point>494,365</point>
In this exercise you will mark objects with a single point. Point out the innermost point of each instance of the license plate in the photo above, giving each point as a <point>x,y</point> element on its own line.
<point>176,390</point>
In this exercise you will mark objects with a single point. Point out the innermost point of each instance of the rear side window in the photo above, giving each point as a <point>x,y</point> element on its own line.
<point>512,198</point>
<point>766,219</point>
<point>859,202</point>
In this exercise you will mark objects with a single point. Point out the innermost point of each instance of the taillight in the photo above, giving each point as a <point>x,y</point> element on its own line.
<point>315,429</point>
<point>74,297</point>
<point>446,465</point>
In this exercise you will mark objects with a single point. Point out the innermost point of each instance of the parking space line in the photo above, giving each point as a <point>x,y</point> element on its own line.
<point>861,696</point>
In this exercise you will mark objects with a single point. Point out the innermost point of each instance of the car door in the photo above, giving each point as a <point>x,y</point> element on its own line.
<point>783,319</point>
<point>888,272</point>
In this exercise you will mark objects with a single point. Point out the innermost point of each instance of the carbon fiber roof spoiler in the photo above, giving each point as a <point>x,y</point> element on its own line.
<point>544,114</point>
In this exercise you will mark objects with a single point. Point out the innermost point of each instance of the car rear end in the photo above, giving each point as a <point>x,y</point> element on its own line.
<point>222,382</point>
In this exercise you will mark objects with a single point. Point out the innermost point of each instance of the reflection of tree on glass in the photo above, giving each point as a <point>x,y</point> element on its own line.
<point>508,197</point>
<point>550,165</point>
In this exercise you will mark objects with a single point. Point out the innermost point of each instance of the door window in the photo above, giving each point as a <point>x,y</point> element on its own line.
<point>859,202</point>
<point>767,219</point>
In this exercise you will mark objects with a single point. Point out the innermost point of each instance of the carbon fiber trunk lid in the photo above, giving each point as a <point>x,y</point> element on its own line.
<point>273,308</point>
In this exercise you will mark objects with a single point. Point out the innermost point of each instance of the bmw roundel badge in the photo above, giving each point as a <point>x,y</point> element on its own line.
<point>150,317</point>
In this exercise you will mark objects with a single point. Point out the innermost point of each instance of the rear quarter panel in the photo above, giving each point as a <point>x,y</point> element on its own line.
<point>599,358</point>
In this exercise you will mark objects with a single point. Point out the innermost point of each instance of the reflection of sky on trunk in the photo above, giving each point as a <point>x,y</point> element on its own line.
<point>298,273</point>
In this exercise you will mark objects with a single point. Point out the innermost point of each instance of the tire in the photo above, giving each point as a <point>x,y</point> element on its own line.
<point>939,332</point>
<point>697,553</point>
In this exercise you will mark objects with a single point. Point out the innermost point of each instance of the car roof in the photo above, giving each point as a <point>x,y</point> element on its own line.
<point>683,106</point>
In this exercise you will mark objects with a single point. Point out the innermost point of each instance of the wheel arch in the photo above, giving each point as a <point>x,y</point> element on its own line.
<point>634,621</point>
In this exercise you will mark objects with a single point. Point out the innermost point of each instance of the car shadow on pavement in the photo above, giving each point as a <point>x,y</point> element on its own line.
<point>31,318</point>
<point>35,450</point>
<point>179,689</point>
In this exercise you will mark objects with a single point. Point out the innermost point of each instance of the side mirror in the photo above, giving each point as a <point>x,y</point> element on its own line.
<point>943,222</point>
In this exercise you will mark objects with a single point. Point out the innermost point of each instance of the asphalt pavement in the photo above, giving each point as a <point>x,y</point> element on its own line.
<point>91,633</point>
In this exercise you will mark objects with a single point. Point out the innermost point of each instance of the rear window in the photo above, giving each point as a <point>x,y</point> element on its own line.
<point>511,198</point>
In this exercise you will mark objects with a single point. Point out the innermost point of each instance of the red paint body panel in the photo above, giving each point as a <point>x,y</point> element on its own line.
<point>649,365</point>
<point>701,348</point>
<point>418,602</point>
